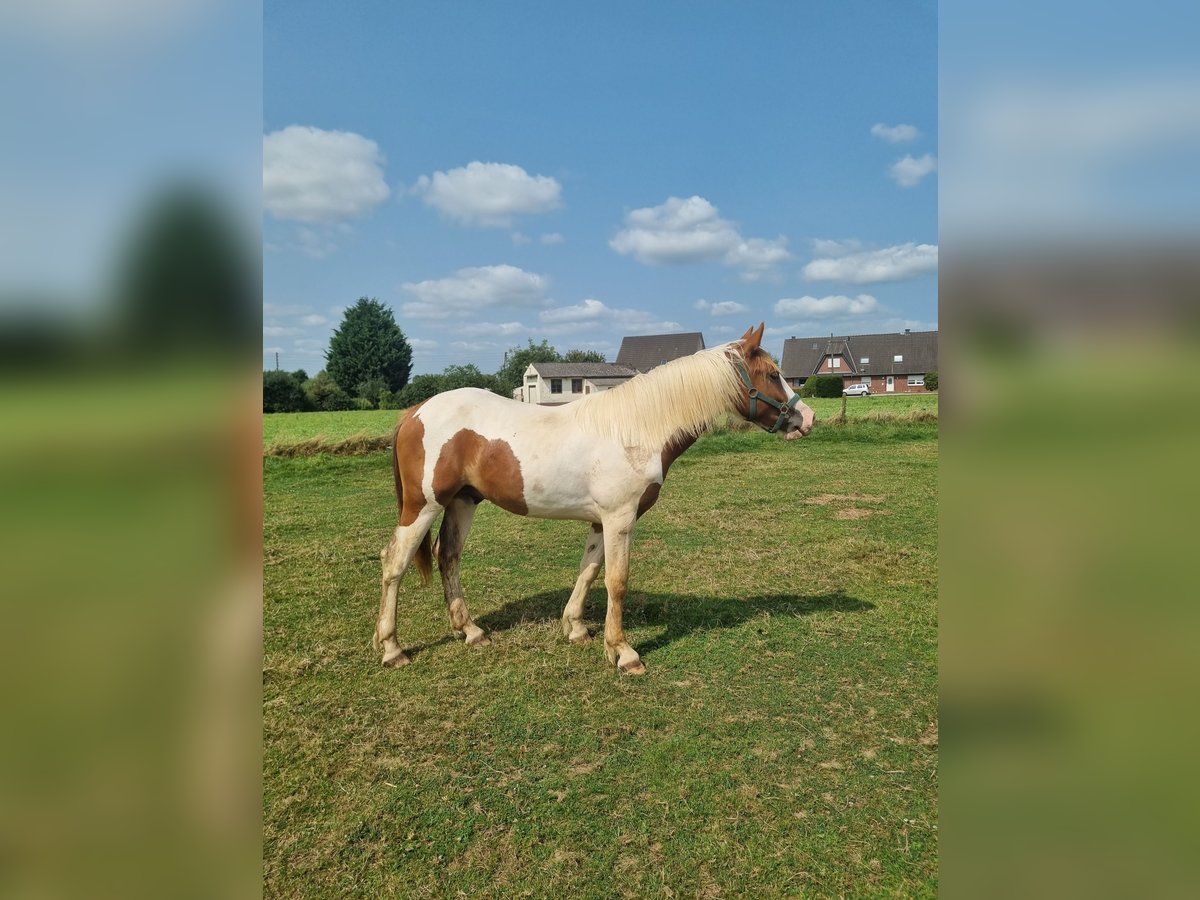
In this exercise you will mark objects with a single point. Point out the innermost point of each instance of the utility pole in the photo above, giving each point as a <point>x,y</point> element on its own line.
<point>276,360</point>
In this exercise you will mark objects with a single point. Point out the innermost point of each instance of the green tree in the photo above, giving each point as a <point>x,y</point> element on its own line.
<point>284,392</point>
<point>368,345</point>
<point>324,393</point>
<point>592,356</point>
<point>420,389</point>
<point>467,376</point>
<point>186,279</point>
<point>371,390</point>
<point>931,381</point>
<point>517,360</point>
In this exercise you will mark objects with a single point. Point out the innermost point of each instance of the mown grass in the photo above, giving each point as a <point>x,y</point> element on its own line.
<point>783,595</point>
<point>284,431</point>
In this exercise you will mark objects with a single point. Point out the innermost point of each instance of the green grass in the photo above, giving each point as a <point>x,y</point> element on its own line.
<point>291,428</point>
<point>783,595</point>
<point>288,428</point>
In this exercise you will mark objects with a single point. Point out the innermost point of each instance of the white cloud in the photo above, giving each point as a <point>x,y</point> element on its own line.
<point>552,238</point>
<point>823,307</point>
<point>421,343</point>
<point>281,331</point>
<point>500,328</point>
<point>588,309</point>
<point>311,175</point>
<point>314,319</point>
<point>488,194</point>
<point>895,134</point>
<point>520,239</point>
<point>908,171</point>
<point>722,307</point>
<point>591,314</point>
<point>897,263</point>
<point>692,230</point>
<point>823,247</point>
<point>472,289</point>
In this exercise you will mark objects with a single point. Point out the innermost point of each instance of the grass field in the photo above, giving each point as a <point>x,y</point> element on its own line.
<point>783,742</point>
<point>288,428</point>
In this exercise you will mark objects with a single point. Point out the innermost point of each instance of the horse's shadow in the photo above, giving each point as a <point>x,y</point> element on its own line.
<point>680,613</point>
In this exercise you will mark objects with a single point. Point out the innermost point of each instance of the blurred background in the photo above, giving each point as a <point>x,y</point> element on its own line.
<point>130,297</point>
<point>1070,275</point>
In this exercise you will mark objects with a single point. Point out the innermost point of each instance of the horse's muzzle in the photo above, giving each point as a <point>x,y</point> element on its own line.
<point>800,423</point>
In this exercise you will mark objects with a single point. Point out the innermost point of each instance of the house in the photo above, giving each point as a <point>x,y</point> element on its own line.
<point>893,363</point>
<point>553,384</point>
<point>643,352</point>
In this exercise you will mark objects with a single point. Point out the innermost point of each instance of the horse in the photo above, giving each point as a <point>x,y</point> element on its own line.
<point>601,459</point>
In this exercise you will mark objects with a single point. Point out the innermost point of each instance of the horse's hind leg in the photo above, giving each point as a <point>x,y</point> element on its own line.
<point>396,557</point>
<point>456,524</point>
<point>572,619</point>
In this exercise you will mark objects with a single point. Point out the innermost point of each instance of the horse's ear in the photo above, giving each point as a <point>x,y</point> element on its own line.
<point>753,338</point>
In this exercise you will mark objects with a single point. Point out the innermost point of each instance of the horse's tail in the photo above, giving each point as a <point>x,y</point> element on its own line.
<point>424,555</point>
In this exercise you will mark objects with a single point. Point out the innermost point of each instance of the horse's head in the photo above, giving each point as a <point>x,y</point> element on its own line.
<point>767,400</point>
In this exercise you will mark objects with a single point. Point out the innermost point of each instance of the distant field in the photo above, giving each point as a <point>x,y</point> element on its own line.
<point>287,428</point>
<point>783,743</point>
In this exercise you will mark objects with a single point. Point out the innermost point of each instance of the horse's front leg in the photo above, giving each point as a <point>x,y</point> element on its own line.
<point>618,535</point>
<point>593,555</point>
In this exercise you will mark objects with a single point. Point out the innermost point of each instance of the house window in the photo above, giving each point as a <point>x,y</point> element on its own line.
<point>864,360</point>
<point>835,362</point>
<point>576,385</point>
<point>866,379</point>
<point>916,380</point>
<point>898,358</point>
<point>556,385</point>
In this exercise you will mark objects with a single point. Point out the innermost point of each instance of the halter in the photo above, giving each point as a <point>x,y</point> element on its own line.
<point>785,408</point>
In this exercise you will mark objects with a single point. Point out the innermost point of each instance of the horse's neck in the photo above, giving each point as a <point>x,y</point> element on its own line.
<point>675,448</point>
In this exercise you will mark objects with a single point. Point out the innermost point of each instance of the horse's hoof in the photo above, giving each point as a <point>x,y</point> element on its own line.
<point>480,640</point>
<point>581,639</point>
<point>633,667</point>
<point>396,660</point>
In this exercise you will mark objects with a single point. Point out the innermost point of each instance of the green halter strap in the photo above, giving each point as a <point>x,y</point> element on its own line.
<point>785,408</point>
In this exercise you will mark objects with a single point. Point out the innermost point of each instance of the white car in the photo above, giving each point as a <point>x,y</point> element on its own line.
<point>858,390</point>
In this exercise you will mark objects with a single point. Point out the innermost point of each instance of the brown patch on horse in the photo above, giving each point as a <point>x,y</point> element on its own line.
<point>489,468</point>
<point>408,468</point>
<point>670,453</point>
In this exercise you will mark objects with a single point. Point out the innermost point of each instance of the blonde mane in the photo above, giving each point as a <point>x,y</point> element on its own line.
<point>682,397</point>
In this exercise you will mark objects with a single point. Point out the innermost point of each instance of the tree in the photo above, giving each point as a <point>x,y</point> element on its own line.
<point>284,392</point>
<point>931,381</point>
<point>186,279</point>
<point>420,389</point>
<point>577,356</point>
<point>368,345</point>
<point>324,393</point>
<point>467,376</point>
<point>512,374</point>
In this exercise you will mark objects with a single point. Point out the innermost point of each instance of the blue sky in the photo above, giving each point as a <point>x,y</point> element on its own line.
<point>579,172</point>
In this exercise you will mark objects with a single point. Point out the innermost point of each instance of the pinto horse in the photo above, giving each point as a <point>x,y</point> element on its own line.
<point>601,459</point>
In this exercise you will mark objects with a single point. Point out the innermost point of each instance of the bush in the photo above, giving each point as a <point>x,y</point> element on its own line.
<point>420,389</point>
<point>931,381</point>
<point>823,386</point>
<point>324,394</point>
<point>284,392</point>
<point>370,390</point>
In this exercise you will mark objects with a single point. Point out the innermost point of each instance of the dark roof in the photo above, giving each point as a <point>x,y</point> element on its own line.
<point>582,370</point>
<point>645,351</point>
<point>803,356</point>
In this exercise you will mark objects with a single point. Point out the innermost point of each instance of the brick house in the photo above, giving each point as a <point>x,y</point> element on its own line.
<point>553,384</point>
<point>642,352</point>
<point>893,363</point>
